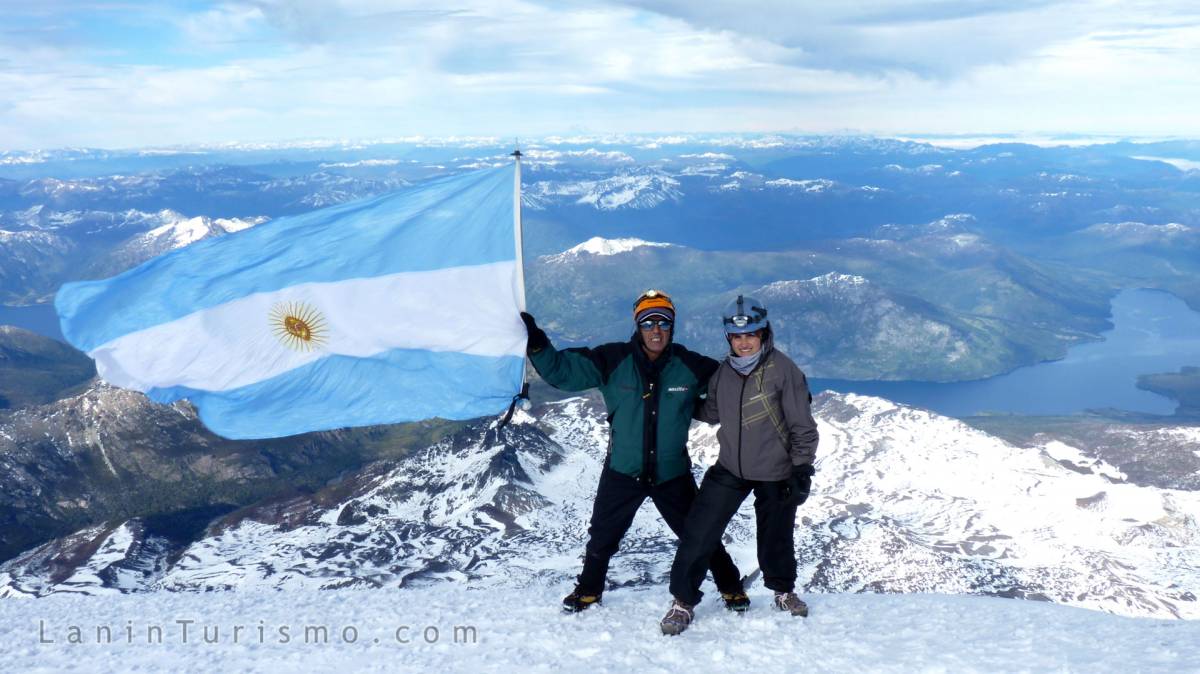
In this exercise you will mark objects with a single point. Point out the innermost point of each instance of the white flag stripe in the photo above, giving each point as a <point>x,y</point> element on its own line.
<point>462,309</point>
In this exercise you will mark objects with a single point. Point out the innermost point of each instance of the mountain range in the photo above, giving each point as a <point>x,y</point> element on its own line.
<point>976,261</point>
<point>75,451</point>
<point>904,501</point>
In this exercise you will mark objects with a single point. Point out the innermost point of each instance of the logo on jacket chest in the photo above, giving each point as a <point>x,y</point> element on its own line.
<point>677,389</point>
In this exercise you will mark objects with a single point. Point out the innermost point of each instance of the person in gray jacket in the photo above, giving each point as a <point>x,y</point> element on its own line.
<point>768,440</point>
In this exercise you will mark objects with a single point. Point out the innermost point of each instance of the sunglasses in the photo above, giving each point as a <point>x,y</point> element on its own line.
<point>649,324</point>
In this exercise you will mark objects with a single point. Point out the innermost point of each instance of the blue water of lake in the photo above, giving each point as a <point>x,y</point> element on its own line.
<point>1153,332</point>
<point>39,318</point>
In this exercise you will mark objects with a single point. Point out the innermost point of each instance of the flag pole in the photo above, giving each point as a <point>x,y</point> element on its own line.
<point>522,398</point>
<point>520,234</point>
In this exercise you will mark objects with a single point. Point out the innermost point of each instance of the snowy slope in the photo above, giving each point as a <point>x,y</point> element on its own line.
<point>906,502</point>
<point>521,630</point>
<point>634,189</point>
<point>600,246</point>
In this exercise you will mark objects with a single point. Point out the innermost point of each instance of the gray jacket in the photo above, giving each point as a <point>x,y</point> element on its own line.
<point>766,417</point>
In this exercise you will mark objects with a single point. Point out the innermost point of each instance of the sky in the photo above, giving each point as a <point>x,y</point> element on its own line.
<point>127,73</point>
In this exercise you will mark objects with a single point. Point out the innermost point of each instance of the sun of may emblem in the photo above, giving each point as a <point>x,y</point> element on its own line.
<point>299,326</point>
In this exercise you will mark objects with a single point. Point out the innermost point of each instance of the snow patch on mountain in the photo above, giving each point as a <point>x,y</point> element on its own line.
<point>741,180</point>
<point>591,155</point>
<point>923,169</point>
<point>28,238</point>
<point>639,190</point>
<point>365,162</point>
<point>16,159</point>
<point>709,170</point>
<point>813,186</point>
<point>1140,232</point>
<point>601,246</point>
<point>1073,458</point>
<point>1023,518</point>
<point>179,231</point>
<point>827,281</point>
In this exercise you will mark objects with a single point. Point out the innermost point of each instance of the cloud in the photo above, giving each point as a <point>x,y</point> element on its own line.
<point>148,73</point>
<point>929,38</point>
<point>221,25</point>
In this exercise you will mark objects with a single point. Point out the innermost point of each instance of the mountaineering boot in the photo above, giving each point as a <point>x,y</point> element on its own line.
<point>678,617</point>
<point>737,602</point>
<point>575,602</point>
<point>788,601</point>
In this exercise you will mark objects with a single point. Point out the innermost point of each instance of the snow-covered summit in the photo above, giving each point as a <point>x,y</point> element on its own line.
<point>1143,233</point>
<point>601,246</point>
<point>637,189</point>
<point>804,287</point>
<point>178,230</point>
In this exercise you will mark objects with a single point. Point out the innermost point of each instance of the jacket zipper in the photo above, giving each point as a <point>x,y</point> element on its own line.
<point>741,410</point>
<point>742,407</point>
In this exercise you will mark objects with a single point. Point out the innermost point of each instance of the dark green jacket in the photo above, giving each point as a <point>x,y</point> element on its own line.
<point>650,404</point>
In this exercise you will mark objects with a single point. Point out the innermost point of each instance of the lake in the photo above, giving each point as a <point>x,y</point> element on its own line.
<point>1153,332</point>
<point>39,318</point>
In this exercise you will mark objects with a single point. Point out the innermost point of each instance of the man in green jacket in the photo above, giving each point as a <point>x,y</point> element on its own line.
<point>651,388</point>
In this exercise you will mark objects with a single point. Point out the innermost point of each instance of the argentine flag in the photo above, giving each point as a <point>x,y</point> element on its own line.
<point>396,308</point>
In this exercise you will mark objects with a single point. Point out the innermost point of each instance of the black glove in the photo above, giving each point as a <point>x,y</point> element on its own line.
<point>537,337</point>
<point>800,482</point>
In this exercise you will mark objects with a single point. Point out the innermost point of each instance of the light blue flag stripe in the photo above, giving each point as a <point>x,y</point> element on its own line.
<point>454,221</point>
<point>340,391</point>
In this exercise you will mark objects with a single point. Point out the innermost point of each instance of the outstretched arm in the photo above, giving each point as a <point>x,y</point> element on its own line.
<point>569,370</point>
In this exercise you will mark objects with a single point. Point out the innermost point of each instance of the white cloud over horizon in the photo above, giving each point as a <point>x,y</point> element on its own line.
<point>135,74</point>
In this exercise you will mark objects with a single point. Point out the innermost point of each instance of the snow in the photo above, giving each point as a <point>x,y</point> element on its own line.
<point>588,154</point>
<point>601,246</point>
<point>831,280</point>
<point>21,159</point>
<point>815,186</point>
<point>183,231</point>
<point>450,627</point>
<point>905,502</point>
<point>630,190</point>
<point>363,162</point>
<point>1181,164</point>
<point>179,231</point>
<point>1141,229</point>
<point>1075,458</point>
<point>709,170</point>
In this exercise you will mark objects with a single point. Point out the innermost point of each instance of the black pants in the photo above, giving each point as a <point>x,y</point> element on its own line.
<point>721,494</point>
<point>617,501</point>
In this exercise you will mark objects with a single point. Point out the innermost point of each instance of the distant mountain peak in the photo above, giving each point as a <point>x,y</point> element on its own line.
<point>180,230</point>
<point>637,189</point>
<point>1140,230</point>
<point>814,185</point>
<point>600,246</point>
<point>832,279</point>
